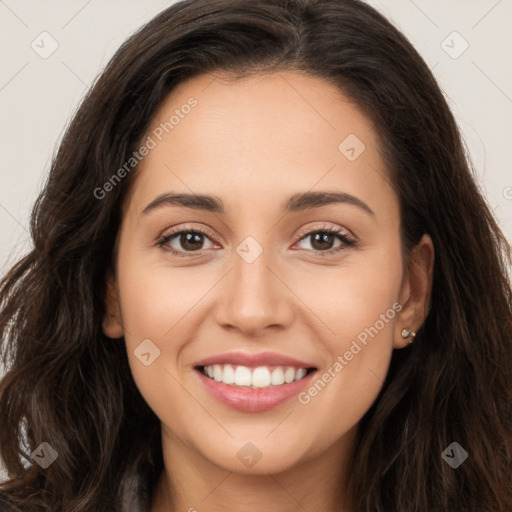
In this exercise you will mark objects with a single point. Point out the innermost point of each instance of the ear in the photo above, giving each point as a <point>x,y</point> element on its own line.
<point>415,290</point>
<point>112,323</point>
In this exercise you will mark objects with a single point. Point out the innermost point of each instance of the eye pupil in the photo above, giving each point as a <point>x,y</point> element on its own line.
<point>188,240</point>
<point>322,239</point>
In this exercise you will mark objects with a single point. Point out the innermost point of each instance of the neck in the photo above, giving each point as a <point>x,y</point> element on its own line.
<point>192,483</point>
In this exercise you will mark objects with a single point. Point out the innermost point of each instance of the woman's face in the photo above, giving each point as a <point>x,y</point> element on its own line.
<point>282,158</point>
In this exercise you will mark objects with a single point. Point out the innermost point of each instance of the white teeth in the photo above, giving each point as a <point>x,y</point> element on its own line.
<point>277,377</point>
<point>301,372</point>
<point>259,377</point>
<point>229,375</point>
<point>217,372</point>
<point>242,376</point>
<point>289,375</point>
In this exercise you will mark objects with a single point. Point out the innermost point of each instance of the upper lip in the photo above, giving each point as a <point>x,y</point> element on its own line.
<point>253,360</point>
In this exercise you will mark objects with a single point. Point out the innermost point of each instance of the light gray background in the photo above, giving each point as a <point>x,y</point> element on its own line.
<point>38,96</point>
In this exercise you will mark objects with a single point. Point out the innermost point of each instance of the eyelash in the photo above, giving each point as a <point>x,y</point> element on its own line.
<point>347,241</point>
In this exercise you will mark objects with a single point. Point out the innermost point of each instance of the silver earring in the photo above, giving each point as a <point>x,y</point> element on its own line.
<point>408,333</point>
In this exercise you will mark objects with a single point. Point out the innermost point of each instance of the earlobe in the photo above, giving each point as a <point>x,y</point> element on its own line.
<point>415,292</point>
<point>112,323</point>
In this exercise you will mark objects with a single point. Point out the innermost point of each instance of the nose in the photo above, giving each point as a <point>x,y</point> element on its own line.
<point>254,297</point>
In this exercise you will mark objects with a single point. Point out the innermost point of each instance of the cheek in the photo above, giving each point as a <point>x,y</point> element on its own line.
<point>359,306</point>
<point>156,298</point>
<point>344,390</point>
<point>155,303</point>
<point>357,300</point>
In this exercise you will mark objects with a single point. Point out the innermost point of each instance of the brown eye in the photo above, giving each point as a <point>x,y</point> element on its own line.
<point>191,241</point>
<point>180,242</point>
<point>324,240</point>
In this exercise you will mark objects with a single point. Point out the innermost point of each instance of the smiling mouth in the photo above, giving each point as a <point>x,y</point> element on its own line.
<point>260,377</point>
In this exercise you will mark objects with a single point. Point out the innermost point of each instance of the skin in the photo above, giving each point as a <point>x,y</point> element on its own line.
<point>254,143</point>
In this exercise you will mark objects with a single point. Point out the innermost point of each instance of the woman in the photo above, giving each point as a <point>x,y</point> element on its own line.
<point>263,277</point>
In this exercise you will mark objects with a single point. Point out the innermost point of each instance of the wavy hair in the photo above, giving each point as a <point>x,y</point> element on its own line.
<point>69,385</point>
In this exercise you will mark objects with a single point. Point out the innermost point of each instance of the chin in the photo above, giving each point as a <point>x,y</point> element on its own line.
<point>258,457</point>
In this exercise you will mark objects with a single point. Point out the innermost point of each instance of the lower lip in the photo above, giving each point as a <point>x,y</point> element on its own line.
<point>253,400</point>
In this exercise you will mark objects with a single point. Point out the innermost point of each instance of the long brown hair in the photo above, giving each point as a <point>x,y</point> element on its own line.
<point>70,386</point>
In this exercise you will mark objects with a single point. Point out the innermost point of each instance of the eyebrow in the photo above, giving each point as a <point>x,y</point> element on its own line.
<point>296,203</point>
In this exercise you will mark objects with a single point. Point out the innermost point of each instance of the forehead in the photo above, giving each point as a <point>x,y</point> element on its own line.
<point>263,136</point>
<point>281,113</point>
